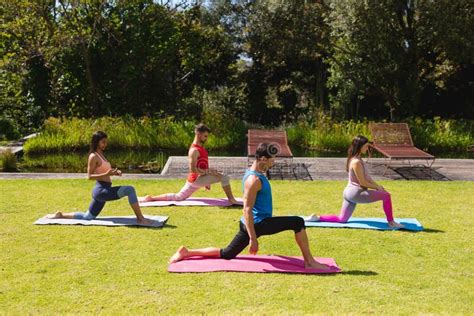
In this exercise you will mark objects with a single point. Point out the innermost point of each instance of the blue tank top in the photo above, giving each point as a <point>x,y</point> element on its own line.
<point>263,207</point>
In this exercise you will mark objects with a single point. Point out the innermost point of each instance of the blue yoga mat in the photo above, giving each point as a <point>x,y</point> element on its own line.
<point>370,223</point>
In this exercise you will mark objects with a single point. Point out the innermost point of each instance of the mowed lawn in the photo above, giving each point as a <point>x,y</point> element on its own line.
<point>75,269</point>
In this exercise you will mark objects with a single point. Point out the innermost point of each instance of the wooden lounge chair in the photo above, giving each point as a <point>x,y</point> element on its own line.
<point>393,141</point>
<point>277,137</point>
<point>285,170</point>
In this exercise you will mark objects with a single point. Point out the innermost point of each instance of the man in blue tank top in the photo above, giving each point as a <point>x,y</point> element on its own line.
<point>257,219</point>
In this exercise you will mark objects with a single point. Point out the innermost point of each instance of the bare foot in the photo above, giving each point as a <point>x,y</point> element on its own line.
<point>146,198</point>
<point>181,254</point>
<point>55,215</point>
<point>316,265</point>
<point>311,218</point>
<point>234,202</point>
<point>394,224</point>
<point>145,222</point>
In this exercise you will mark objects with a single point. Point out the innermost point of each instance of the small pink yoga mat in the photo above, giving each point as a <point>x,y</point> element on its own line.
<point>191,202</point>
<point>249,263</point>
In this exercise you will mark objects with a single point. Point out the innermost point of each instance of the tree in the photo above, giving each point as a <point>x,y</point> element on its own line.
<point>285,42</point>
<point>391,49</point>
<point>24,72</point>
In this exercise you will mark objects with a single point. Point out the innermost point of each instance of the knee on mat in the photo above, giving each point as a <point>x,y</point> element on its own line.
<point>178,197</point>
<point>87,215</point>
<point>228,254</point>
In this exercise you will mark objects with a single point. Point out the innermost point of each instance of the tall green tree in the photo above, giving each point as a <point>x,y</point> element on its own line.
<point>285,43</point>
<point>392,50</point>
<point>25,36</point>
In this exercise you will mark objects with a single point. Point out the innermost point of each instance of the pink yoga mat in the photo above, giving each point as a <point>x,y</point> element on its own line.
<point>191,202</point>
<point>248,263</point>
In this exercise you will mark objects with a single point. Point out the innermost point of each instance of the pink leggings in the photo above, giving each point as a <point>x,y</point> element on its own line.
<point>354,195</point>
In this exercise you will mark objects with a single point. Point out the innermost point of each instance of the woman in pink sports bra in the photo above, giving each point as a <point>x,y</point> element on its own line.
<point>361,188</point>
<point>99,169</point>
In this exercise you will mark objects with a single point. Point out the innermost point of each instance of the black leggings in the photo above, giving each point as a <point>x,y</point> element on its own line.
<point>268,226</point>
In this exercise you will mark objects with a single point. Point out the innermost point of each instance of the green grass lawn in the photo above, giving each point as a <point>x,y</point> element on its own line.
<point>74,269</point>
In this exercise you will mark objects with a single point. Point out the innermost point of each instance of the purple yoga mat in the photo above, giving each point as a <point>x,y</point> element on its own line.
<point>191,202</point>
<point>259,263</point>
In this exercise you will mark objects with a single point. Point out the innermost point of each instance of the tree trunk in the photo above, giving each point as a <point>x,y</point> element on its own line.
<point>93,100</point>
<point>392,105</point>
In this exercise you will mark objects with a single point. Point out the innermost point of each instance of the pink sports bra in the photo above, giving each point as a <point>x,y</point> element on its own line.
<point>104,166</point>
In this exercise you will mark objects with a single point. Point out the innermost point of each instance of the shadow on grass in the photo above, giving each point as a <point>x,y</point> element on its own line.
<point>359,272</point>
<point>431,230</point>
<point>151,227</point>
<point>425,230</point>
<point>230,207</point>
<point>170,226</point>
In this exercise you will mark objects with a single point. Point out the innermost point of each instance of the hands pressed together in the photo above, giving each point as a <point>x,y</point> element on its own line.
<point>114,172</point>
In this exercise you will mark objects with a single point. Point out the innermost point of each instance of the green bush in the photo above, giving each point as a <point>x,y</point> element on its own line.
<point>228,133</point>
<point>440,135</point>
<point>66,134</point>
<point>436,136</point>
<point>8,161</point>
<point>227,130</point>
<point>325,134</point>
<point>125,160</point>
<point>7,130</point>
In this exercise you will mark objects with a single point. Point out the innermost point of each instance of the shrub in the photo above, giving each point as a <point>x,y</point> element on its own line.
<point>8,161</point>
<point>7,130</point>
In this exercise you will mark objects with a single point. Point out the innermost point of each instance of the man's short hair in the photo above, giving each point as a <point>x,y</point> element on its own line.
<point>201,128</point>
<point>266,150</point>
